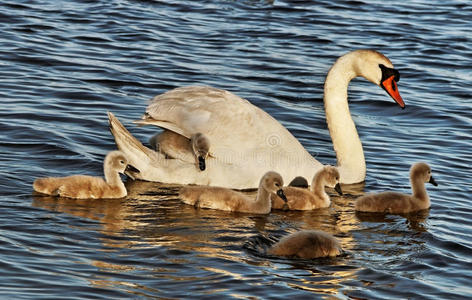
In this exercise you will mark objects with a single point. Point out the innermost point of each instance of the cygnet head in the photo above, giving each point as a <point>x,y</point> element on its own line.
<point>273,183</point>
<point>423,171</point>
<point>201,148</point>
<point>117,161</point>
<point>330,176</point>
<point>378,69</point>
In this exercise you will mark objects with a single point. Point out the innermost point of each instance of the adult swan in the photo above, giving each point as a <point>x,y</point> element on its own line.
<point>245,141</point>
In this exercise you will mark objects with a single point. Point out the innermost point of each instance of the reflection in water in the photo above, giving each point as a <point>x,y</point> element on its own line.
<point>153,221</point>
<point>109,212</point>
<point>414,220</point>
<point>326,282</point>
<point>152,217</point>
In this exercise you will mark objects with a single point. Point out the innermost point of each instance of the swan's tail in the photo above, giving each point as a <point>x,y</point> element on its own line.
<point>138,155</point>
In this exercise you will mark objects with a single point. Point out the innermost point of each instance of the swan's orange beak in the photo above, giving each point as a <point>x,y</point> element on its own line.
<point>390,86</point>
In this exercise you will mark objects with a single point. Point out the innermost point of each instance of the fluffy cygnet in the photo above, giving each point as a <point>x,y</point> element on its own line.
<point>230,200</point>
<point>177,146</point>
<point>304,199</point>
<point>306,244</point>
<point>89,187</point>
<point>392,202</point>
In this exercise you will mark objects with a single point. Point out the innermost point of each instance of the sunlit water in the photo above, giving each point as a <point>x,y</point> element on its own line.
<point>65,64</point>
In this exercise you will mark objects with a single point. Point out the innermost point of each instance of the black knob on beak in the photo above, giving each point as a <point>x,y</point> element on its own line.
<point>130,168</point>
<point>201,163</point>
<point>281,194</point>
<point>337,188</point>
<point>432,181</point>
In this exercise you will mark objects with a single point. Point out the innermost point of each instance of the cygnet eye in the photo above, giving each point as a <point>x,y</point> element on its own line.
<point>122,162</point>
<point>277,184</point>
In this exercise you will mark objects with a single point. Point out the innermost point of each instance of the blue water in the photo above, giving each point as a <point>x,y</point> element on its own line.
<point>64,64</point>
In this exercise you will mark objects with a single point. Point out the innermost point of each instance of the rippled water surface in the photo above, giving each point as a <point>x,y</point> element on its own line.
<point>64,64</point>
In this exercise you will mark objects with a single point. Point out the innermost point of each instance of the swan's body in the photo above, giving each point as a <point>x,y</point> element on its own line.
<point>89,187</point>
<point>397,203</point>
<point>245,140</point>
<point>176,146</point>
<point>230,200</point>
<point>304,199</point>
<point>306,244</point>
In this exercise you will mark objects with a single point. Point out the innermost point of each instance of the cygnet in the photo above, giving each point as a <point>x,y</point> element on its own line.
<point>306,244</point>
<point>174,145</point>
<point>305,199</point>
<point>90,187</point>
<point>230,200</point>
<point>397,203</point>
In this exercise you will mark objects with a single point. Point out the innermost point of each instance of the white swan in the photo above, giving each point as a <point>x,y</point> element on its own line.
<point>90,187</point>
<point>246,141</point>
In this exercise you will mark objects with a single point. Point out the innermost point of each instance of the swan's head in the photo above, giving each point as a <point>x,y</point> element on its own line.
<point>117,161</point>
<point>273,183</point>
<point>330,177</point>
<point>378,69</point>
<point>201,148</point>
<point>422,171</point>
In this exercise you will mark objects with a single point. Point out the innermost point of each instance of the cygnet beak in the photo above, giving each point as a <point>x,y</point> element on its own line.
<point>432,181</point>
<point>130,168</point>
<point>337,188</point>
<point>281,194</point>
<point>201,163</point>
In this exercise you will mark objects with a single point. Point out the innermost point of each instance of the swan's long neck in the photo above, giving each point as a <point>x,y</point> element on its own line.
<point>346,142</point>
<point>318,188</point>
<point>112,177</point>
<point>262,201</point>
<point>418,189</point>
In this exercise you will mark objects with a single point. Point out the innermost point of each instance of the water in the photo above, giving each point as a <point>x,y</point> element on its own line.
<point>65,64</point>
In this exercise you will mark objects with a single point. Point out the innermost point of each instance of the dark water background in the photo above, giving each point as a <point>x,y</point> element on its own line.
<point>64,64</point>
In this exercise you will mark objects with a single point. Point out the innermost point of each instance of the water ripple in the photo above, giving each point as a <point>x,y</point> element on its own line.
<point>66,64</point>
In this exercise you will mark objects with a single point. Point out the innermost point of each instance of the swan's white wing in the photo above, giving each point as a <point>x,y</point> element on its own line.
<point>188,110</point>
<point>232,124</point>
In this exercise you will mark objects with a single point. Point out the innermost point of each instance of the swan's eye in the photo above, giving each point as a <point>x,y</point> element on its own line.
<point>277,185</point>
<point>122,162</point>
